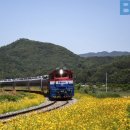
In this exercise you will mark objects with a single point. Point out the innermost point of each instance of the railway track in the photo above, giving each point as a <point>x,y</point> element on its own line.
<point>51,106</point>
<point>44,107</point>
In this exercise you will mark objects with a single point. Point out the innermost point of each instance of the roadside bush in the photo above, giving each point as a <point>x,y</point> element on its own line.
<point>9,98</point>
<point>16,97</point>
<point>78,86</point>
<point>117,87</point>
<point>105,95</point>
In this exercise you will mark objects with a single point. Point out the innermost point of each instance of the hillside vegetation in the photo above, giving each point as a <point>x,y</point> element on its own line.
<point>105,53</point>
<point>30,58</point>
<point>24,58</point>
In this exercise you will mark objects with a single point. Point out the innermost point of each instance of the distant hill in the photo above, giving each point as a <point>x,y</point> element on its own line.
<point>25,58</point>
<point>30,58</point>
<point>105,53</point>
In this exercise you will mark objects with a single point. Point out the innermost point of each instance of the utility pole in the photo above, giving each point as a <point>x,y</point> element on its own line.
<point>41,84</point>
<point>106,82</point>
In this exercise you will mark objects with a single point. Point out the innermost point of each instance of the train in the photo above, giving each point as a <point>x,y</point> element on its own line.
<point>58,84</point>
<point>61,84</point>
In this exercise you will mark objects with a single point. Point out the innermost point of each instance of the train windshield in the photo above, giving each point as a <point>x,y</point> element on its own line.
<point>58,75</point>
<point>61,74</point>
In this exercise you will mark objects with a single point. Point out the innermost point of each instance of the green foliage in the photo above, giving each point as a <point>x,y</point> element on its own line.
<point>26,58</point>
<point>78,86</point>
<point>14,97</point>
<point>105,95</point>
<point>9,98</point>
<point>119,87</point>
<point>99,90</point>
<point>31,58</point>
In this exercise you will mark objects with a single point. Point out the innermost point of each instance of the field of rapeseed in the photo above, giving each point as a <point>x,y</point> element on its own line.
<point>19,101</point>
<point>89,113</point>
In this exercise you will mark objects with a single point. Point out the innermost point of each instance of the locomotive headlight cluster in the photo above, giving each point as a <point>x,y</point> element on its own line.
<point>61,71</point>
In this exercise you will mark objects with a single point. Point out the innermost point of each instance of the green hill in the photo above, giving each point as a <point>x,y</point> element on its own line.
<point>118,70</point>
<point>105,53</point>
<point>30,58</point>
<point>25,58</point>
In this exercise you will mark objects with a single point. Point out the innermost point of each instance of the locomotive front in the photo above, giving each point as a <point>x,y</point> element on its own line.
<point>61,84</point>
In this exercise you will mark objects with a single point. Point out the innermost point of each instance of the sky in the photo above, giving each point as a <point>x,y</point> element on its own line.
<point>79,25</point>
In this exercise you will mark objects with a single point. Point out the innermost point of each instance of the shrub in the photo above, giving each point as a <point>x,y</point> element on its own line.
<point>78,86</point>
<point>9,98</point>
<point>105,95</point>
<point>15,97</point>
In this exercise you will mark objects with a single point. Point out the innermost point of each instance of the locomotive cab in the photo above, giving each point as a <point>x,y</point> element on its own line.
<point>61,84</point>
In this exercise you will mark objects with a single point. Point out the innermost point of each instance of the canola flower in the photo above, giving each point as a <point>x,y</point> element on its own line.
<point>8,106</point>
<point>88,113</point>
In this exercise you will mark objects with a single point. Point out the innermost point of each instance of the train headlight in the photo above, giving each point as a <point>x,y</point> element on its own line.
<point>61,71</point>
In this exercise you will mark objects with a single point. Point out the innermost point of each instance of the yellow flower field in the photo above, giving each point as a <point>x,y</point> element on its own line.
<point>88,113</point>
<point>7,106</point>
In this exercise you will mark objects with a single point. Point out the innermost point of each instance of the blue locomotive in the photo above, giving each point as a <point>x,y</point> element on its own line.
<point>61,84</point>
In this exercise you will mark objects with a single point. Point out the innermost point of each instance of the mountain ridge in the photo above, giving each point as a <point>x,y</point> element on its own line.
<point>105,53</point>
<point>26,55</point>
<point>27,58</point>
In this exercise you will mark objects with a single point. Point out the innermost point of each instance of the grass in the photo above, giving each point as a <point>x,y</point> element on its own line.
<point>114,90</point>
<point>105,95</point>
<point>128,109</point>
<point>99,94</point>
<point>89,113</point>
<point>12,101</point>
<point>34,88</point>
<point>11,96</point>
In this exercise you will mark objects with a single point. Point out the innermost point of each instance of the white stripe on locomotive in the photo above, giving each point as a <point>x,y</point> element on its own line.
<point>62,82</point>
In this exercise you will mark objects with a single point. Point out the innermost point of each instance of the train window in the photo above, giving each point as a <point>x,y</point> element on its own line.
<point>57,75</point>
<point>65,75</point>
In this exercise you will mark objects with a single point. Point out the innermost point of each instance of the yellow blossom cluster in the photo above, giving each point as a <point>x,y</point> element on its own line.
<point>89,113</point>
<point>8,106</point>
